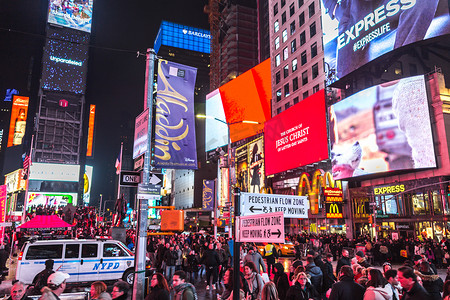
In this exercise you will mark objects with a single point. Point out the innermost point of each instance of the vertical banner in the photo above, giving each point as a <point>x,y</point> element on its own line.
<point>2,211</point>
<point>90,139</point>
<point>255,165</point>
<point>175,144</point>
<point>18,122</point>
<point>208,195</point>
<point>140,134</point>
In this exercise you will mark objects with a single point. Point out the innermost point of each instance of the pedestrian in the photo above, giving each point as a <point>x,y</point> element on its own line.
<point>386,266</point>
<point>56,284</point>
<point>432,283</point>
<point>343,261</point>
<point>254,281</point>
<point>361,259</point>
<point>346,288</point>
<point>281,280</point>
<point>328,275</point>
<point>98,291</point>
<point>159,289</point>
<point>446,294</point>
<point>227,293</point>
<point>392,278</point>
<point>211,261</point>
<point>315,273</point>
<point>18,292</point>
<point>179,261</point>
<point>120,290</point>
<point>170,258</point>
<point>40,280</point>
<point>412,290</point>
<point>223,258</point>
<point>269,292</point>
<point>270,254</point>
<point>183,289</point>
<point>302,289</point>
<point>256,258</point>
<point>377,287</point>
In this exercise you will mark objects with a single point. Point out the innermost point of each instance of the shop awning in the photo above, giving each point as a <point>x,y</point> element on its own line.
<point>45,222</point>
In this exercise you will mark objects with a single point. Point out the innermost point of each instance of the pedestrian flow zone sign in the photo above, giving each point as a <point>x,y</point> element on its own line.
<point>262,228</point>
<point>291,206</point>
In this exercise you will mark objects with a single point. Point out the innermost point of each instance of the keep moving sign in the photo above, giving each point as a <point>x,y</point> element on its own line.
<point>292,206</point>
<point>261,228</point>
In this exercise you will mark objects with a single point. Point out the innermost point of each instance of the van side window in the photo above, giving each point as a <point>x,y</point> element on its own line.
<point>89,250</point>
<point>72,251</point>
<point>44,252</point>
<point>113,250</point>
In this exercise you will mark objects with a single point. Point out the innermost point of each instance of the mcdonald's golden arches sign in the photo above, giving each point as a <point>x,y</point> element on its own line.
<point>334,210</point>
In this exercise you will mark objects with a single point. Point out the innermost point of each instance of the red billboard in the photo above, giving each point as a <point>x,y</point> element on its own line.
<point>90,141</point>
<point>297,136</point>
<point>18,122</point>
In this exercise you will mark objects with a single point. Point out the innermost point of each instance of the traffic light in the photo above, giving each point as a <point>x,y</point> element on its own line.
<point>448,190</point>
<point>370,219</point>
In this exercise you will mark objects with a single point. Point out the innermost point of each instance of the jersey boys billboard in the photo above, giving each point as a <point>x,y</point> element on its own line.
<point>297,136</point>
<point>356,32</point>
<point>383,128</point>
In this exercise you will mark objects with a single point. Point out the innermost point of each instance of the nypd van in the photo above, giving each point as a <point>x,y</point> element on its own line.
<point>83,260</point>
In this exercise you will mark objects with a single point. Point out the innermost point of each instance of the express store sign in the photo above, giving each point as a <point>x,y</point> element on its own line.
<point>297,136</point>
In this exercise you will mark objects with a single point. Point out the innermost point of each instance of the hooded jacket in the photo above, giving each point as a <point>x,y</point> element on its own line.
<point>281,281</point>
<point>316,276</point>
<point>257,259</point>
<point>378,293</point>
<point>433,284</point>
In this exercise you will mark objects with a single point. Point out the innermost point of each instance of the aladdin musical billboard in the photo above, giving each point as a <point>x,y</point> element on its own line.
<point>356,32</point>
<point>298,136</point>
<point>75,14</point>
<point>18,123</point>
<point>383,128</point>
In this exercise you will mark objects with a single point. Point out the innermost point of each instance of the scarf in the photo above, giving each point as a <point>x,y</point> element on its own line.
<point>179,289</point>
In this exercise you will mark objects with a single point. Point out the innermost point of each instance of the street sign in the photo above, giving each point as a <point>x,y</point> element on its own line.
<point>6,224</point>
<point>148,196</point>
<point>291,206</point>
<point>262,228</point>
<point>154,188</point>
<point>130,178</point>
<point>138,163</point>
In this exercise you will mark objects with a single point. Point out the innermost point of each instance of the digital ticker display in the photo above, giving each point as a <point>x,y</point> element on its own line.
<point>65,59</point>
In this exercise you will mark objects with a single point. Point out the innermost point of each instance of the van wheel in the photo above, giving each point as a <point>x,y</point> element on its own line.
<point>128,276</point>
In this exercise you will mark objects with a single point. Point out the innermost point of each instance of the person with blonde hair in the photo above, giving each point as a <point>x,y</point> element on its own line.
<point>302,289</point>
<point>269,291</point>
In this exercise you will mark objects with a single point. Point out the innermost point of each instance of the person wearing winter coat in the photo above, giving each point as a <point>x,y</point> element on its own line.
<point>254,281</point>
<point>159,289</point>
<point>377,287</point>
<point>432,283</point>
<point>170,258</point>
<point>315,272</point>
<point>412,290</point>
<point>256,258</point>
<point>346,288</point>
<point>328,275</point>
<point>302,289</point>
<point>281,280</point>
<point>361,259</point>
<point>343,261</point>
<point>211,261</point>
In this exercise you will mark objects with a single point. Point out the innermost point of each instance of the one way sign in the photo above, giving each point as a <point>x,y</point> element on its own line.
<point>130,178</point>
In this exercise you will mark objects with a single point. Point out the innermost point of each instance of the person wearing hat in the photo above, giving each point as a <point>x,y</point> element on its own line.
<point>361,259</point>
<point>56,284</point>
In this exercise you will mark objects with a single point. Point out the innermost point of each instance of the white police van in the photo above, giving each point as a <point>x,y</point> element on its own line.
<point>83,260</point>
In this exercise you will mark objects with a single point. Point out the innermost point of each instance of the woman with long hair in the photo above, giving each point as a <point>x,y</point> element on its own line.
<point>227,293</point>
<point>269,291</point>
<point>159,289</point>
<point>377,286</point>
<point>98,291</point>
<point>254,281</point>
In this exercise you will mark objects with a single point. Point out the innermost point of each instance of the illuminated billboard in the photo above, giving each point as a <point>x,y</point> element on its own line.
<point>90,138</point>
<point>216,131</point>
<point>64,62</point>
<point>54,172</point>
<point>383,128</point>
<point>298,136</point>
<point>56,199</point>
<point>249,164</point>
<point>87,185</point>
<point>18,121</point>
<point>140,145</point>
<point>75,14</point>
<point>356,32</point>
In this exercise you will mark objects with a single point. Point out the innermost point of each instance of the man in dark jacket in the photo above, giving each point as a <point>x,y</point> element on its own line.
<point>361,259</point>
<point>211,261</point>
<point>281,280</point>
<point>412,290</point>
<point>328,275</point>
<point>346,288</point>
<point>40,280</point>
<point>432,283</point>
<point>343,261</point>
<point>315,272</point>
<point>170,259</point>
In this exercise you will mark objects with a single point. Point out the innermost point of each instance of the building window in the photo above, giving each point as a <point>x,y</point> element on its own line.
<point>295,100</point>
<point>292,27</point>
<point>303,58</point>
<point>315,70</point>
<point>286,90</point>
<point>302,38</point>
<point>291,10</point>
<point>294,84</point>
<point>305,95</point>
<point>315,89</point>
<point>277,42</point>
<point>277,77</point>
<point>312,29</point>
<point>286,71</point>
<point>277,60</point>
<point>294,65</point>
<point>275,9</point>
<point>313,50</point>
<point>304,77</point>
<point>284,35</point>
<point>285,53</point>
<point>283,3</point>
<point>311,9</point>
<point>293,45</point>
<point>276,26</point>
<point>300,3</point>
<point>278,110</point>
<point>287,105</point>
<point>283,18</point>
<point>278,95</point>
<point>301,19</point>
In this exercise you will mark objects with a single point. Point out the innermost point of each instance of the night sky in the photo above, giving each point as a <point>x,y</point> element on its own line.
<point>115,81</point>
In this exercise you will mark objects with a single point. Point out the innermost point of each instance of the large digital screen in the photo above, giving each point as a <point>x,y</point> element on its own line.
<point>56,199</point>
<point>75,14</point>
<point>18,123</point>
<point>64,62</point>
<point>298,136</point>
<point>216,131</point>
<point>356,32</point>
<point>54,172</point>
<point>383,128</point>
